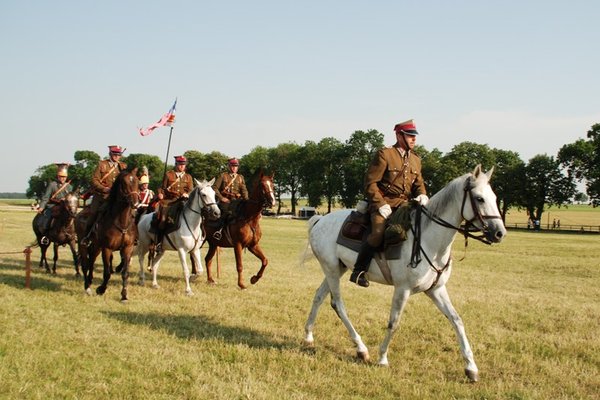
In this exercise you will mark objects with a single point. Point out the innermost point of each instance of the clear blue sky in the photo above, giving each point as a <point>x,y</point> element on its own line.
<point>81,75</point>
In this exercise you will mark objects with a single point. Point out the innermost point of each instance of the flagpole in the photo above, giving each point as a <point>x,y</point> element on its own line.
<point>167,156</point>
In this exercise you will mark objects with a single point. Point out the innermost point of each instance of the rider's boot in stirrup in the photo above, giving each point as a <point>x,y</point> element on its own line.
<point>361,267</point>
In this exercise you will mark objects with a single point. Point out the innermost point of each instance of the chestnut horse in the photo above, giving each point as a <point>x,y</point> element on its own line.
<point>115,230</point>
<point>61,233</point>
<point>245,231</point>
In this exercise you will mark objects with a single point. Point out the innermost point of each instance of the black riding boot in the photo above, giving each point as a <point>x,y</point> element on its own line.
<point>365,255</point>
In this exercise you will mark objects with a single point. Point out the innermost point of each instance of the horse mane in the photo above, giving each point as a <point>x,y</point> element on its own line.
<point>448,194</point>
<point>116,187</point>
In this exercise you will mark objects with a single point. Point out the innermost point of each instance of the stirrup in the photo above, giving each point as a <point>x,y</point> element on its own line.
<point>44,240</point>
<point>360,278</point>
<point>217,235</point>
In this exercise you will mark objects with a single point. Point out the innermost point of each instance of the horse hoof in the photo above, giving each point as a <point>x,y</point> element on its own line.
<point>155,286</point>
<point>254,279</point>
<point>193,277</point>
<point>472,375</point>
<point>141,283</point>
<point>211,282</point>
<point>100,290</point>
<point>88,291</point>
<point>363,356</point>
<point>189,293</point>
<point>124,301</point>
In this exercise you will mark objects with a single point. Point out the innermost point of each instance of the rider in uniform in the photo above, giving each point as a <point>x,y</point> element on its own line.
<point>393,178</point>
<point>230,188</point>
<point>103,178</point>
<point>145,196</point>
<point>57,190</point>
<point>176,184</point>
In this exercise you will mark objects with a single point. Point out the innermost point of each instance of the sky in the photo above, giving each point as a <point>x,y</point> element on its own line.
<point>82,75</point>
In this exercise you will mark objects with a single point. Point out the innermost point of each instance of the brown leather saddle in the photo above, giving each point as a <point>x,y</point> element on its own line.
<point>357,226</point>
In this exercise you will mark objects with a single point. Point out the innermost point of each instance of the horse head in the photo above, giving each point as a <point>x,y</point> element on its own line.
<point>71,203</point>
<point>206,198</point>
<point>267,190</point>
<point>125,189</point>
<point>482,212</point>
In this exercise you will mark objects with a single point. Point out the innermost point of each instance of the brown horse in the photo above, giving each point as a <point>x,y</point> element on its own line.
<point>61,233</point>
<point>115,229</point>
<point>245,231</point>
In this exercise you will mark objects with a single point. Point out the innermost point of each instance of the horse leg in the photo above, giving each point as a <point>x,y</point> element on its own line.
<point>107,270</point>
<point>441,299</point>
<point>208,262</point>
<point>186,271</point>
<point>155,264</point>
<point>239,265</point>
<point>257,251</point>
<point>141,251</point>
<point>196,263</point>
<point>320,296</point>
<point>337,303</point>
<point>88,258</point>
<point>399,300</point>
<point>55,259</point>
<point>75,257</point>
<point>125,260</point>
<point>43,259</point>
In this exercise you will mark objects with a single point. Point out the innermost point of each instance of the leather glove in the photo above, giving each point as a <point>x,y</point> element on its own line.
<point>422,199</point>
<point>385,211</point>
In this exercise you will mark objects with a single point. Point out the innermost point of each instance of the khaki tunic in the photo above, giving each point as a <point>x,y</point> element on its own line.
<point>224,188</point>
<point>393,178</point>
<point>104,176</point>
<point>173,187</point>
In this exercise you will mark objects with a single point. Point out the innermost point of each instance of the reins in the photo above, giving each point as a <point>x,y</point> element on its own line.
<point>467,230</point>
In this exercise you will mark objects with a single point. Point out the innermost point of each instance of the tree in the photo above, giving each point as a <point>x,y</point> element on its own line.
<point>286,164</point>
<point>463,158</point>
<point>322,164</point>
<point>545,184</point>
<point>356,156</point>
<point>431,169</point>
<point>154,165</point>
<point>205,166</point>
<point>508,180</point>
<point>582,160</point>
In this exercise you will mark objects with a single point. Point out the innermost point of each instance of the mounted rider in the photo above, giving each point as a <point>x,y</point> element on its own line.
<point>57,190</point>
<point>177,184</point>
<point>103,178</point>
<point>393,178</point>
<point>230,187</point>
<point>146,197</point>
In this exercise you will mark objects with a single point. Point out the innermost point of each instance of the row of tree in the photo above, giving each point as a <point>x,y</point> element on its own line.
<point>332,171</point>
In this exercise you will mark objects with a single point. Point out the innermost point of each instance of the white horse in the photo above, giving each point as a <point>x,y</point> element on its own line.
<point>467,198</point>
<point>187,239</point>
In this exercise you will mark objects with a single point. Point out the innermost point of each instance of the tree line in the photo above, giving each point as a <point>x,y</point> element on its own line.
<point>332,172</point>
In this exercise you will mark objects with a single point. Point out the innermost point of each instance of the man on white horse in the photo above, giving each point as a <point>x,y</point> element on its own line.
<point>393,178</point>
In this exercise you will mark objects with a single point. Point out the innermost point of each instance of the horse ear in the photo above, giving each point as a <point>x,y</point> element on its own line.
<point>211,182</point>
<point>197,182</point>
<point>477,171</point>
<point>489,173</point>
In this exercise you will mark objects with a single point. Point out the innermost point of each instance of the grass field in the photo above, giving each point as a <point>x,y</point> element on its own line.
<point>530,305</point>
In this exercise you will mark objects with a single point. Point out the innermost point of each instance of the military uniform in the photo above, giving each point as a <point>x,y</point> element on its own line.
<point>175,185</point>
<point>103,178</point>
<point>55,192</point>
<point>393,178</point>
<point>230,186</point>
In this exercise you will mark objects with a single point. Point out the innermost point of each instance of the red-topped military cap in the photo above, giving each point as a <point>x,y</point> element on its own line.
<point>180,160</point>
<point>407,127</point>
<point>233,161</point>
<point>114,149</point>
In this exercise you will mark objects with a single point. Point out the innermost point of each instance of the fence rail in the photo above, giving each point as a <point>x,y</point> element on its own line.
<point>557,229</point>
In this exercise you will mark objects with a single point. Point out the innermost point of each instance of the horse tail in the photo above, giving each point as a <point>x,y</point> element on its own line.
<point>307,253</point>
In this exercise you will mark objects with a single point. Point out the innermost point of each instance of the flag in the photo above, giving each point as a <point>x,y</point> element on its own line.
<point>166,120</point>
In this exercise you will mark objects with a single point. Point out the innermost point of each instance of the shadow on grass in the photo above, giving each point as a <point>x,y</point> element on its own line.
<point>38,282</point>
<point>201,328</point>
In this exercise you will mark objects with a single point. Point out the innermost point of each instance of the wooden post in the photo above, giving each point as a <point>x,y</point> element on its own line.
<point>27,252</point>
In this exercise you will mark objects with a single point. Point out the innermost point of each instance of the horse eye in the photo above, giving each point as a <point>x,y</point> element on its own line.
<point>480,199</point>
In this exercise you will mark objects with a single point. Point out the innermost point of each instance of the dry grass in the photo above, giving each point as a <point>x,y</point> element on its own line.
<point>530,306</point>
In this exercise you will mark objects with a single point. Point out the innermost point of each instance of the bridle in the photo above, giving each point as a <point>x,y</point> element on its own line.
<point>467,230</point>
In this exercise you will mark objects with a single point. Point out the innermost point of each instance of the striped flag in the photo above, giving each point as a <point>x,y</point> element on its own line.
<point>166,120</point>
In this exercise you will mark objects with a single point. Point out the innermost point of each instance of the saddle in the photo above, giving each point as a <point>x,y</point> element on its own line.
<point>171,220</point>
<point>357,227</point>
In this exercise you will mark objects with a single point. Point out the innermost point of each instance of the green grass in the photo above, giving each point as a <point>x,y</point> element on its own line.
<point>530,306</point>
